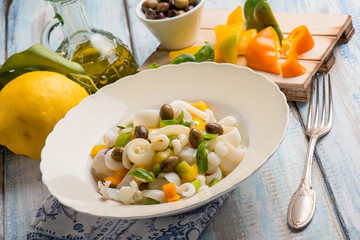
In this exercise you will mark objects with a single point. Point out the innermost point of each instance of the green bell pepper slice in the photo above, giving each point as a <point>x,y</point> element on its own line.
<point>259,15</point>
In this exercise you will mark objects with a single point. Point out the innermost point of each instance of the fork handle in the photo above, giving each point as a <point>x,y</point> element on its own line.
<point>302,204</point>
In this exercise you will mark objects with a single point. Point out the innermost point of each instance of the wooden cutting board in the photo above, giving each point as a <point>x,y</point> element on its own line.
<point>326,29</point>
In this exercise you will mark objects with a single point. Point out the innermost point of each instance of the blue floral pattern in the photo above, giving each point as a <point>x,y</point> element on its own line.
<point>54,221</point>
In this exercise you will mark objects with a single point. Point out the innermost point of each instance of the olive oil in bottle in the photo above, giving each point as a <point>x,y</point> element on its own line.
<point>105,60</point>
<point>104,57</point>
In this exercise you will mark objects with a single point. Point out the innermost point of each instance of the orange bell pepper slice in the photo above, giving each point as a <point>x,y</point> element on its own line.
<point>292,67</point>
<point>263,51</point>
<point>170,192</point>
<point>118,176</point>
<point>301,38</point>
<point>190,50</point>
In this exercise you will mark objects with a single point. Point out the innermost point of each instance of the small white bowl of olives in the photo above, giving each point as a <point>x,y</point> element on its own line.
<point>175,23</point>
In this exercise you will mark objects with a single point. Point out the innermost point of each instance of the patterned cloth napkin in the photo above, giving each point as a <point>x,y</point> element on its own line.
<point>55,221</point>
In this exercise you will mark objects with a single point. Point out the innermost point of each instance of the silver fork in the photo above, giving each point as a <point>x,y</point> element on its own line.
<point>302,204</point>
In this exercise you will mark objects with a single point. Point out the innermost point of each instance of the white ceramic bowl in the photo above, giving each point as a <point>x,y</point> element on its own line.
<point>176,32</point>
<point>251,97</point>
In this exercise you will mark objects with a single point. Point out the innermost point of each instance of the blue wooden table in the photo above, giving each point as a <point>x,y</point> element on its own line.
<point>257,208</point>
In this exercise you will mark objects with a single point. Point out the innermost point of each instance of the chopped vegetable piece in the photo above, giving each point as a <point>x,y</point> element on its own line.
<point>227,38</point>
<point>170,192</point>
<point>190,50</point>
<point>259,16</point>
<point>245,39</point>
<point>202,157</point>
<point>157,169</point>
<point>300,37</point>
<point>263,51</point>
<point>292,67</point>
<point>236,17</point>
<point>187,172</point>
<point>154,66</point>
<point>123,139</point>
<point>150,201</point>
<point>143,174</point>
<point>213,182</point>
<point>160,156</point>
<point>209,136</point>
<point>201,125</point>
<point>96,149</point>
<point>118,176</point>
<point>200,105</point>
<point>196,183</point>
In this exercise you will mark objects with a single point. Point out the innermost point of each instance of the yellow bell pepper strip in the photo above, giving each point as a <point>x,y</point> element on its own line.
<point>245,39</point>
<point>201,105</point>
<point>96,149</point>
<point>259,16</point>
<point>292,67</point>
<point>300,37</point>
<point>190,50</point>
<point>227,38</point>
<point>236,17</point>
<point>170,192</point>
<point>118,176</point>
<point>263,51</point>
<point>187,172</point>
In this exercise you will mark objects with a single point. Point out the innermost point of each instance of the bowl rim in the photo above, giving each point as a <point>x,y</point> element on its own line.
<point>175,210</point>
<point>141,15</point>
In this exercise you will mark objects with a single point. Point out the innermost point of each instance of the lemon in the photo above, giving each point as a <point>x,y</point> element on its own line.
<point>31,105</point>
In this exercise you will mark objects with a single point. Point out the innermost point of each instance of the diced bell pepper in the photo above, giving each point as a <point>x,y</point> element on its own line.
<point>117,177</point>
<point>160,156</point>
<point>300,37</point>
<point>201,105</point>
<point>292,67</point>
<point>190,50</point>
<point>263,51</point>
<point>245,39</point>
<point>170,192</point>
<point>96,149</point>
<point>187,172</point>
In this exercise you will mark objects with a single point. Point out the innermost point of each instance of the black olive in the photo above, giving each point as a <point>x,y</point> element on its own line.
<point>141,132</point>
<point>214,128</point>
<point>166,112</point>
<point>195,137</point>
<point>192,2</point>
<point>117,153</point>
<point>169,164</point>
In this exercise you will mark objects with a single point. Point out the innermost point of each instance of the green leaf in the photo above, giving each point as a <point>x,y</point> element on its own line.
<point>209,136</point>
<point>206,53</point>
<point>38,57</point>
<point>189,124</point>
<point>143,174</point>
<point>150,201</point>
<point>154,65</point>
<point>202,157</point>
<point>185,57</point>
<point>130,125</point>
<point>178,120</point>
<point>123,139</point>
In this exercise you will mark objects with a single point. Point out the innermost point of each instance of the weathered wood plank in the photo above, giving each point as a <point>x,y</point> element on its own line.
<point>24,190</point>
<point>257,208</point>
<point>338,152</point>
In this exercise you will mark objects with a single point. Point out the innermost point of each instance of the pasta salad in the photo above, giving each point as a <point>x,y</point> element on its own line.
<point>164,155</point>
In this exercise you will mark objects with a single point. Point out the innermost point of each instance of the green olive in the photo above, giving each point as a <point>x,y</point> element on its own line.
<point>214,128</point>
<point>169,164</point>
<point>180,12</point>
<point>117,153</point>
<point>151,4</point>
<point>141,132</point>
<point>195,137</point>
<point>181,3</point>
<point>166,112</point>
